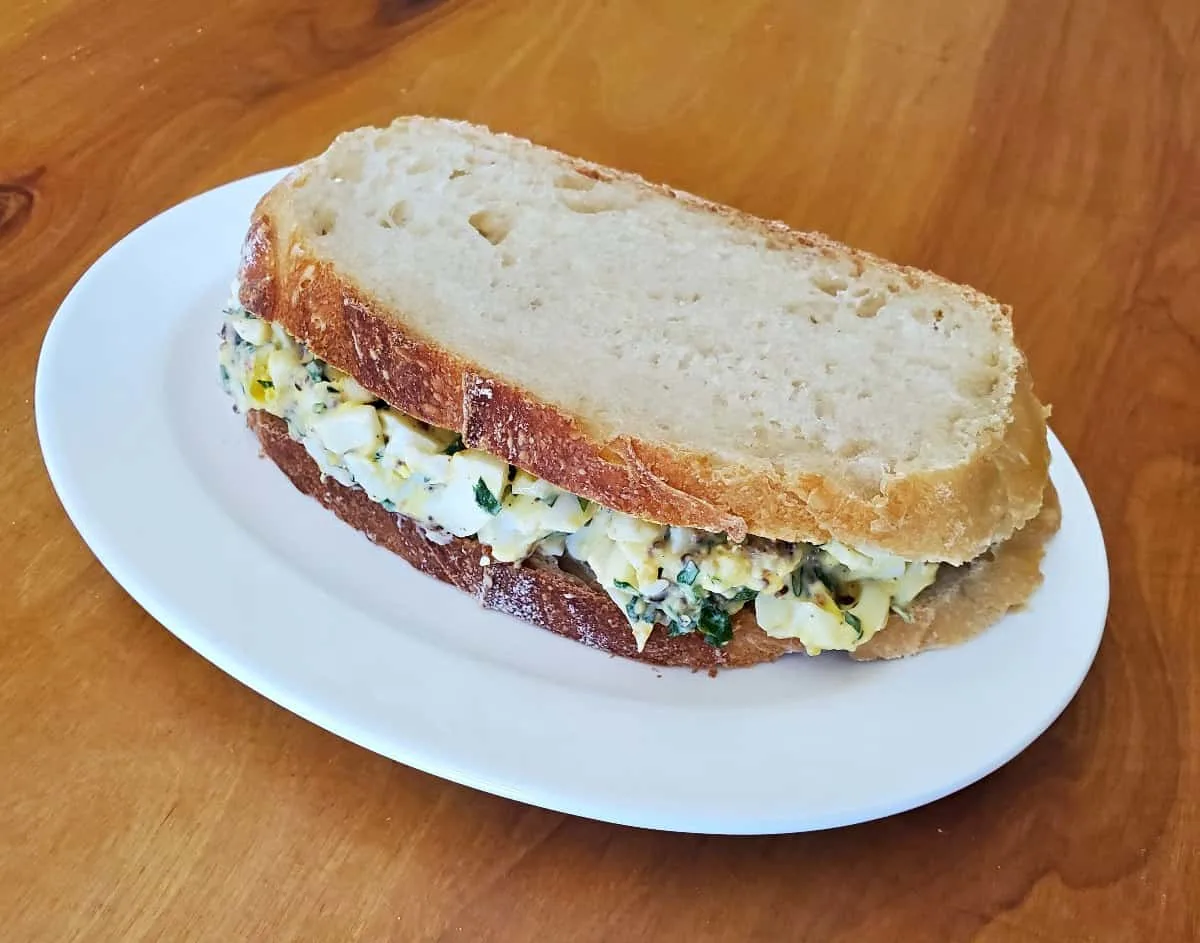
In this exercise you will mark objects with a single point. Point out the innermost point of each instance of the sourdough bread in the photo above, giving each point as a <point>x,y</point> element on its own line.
<point>665,356</point>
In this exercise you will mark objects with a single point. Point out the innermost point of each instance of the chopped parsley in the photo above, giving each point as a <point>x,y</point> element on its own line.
<point>687,576</point>
<point>854,622</point>
<point>388,504</point>
<point>745,594</point>
<point>266,384</point>
<point>454,447</point>
<point>621,584</point>
<point>316,370</point>
<point>805,575</point>
<point>715,624</point>
<point>485,499</point>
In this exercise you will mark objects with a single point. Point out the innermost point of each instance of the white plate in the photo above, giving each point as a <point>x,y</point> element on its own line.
<point>165,484</point>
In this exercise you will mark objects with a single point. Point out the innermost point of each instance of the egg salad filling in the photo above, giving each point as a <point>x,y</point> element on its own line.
<point>828,596</point>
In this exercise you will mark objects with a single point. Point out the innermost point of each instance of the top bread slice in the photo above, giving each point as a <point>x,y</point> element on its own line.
<point>663,355</point>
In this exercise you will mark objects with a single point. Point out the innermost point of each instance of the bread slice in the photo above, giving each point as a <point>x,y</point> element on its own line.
<point>665,356</point>
<point>962,603</point>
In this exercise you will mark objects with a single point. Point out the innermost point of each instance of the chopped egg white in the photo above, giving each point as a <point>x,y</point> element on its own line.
<point>347,428</point>
<point>878,566</point>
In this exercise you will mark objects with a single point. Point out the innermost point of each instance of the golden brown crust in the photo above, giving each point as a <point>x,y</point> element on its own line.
<point>961,604</point>
<point>503,420</point>
<point>951,515</point>
<point>954,515</point>
<point>966,600</point>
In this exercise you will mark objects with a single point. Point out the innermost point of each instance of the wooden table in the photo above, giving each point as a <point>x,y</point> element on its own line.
<point>1045,151</point>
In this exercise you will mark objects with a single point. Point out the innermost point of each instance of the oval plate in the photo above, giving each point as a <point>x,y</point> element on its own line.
<point>165,484</point>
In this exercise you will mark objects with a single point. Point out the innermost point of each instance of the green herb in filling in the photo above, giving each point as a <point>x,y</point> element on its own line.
<point>687,576</point>
<point>715,624</point>
<point>854,622</point>
<point>805,575</point>
<point>485,499</point>
<point>454,447</point>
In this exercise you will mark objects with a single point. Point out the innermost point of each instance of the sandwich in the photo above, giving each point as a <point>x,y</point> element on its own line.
<point>650,423</point>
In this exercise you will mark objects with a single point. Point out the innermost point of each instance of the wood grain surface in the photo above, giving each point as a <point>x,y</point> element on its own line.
<point>1045,151</point>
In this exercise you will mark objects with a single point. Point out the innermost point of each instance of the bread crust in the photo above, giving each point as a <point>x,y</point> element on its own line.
<point>538,592</point>
<point>966,600</point>
<point>952,515</point>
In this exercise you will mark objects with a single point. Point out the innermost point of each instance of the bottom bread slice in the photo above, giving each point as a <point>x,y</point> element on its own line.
<point>963,601</point>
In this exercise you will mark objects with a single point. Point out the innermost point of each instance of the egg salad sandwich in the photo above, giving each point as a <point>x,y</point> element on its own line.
<point>650,423</point>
